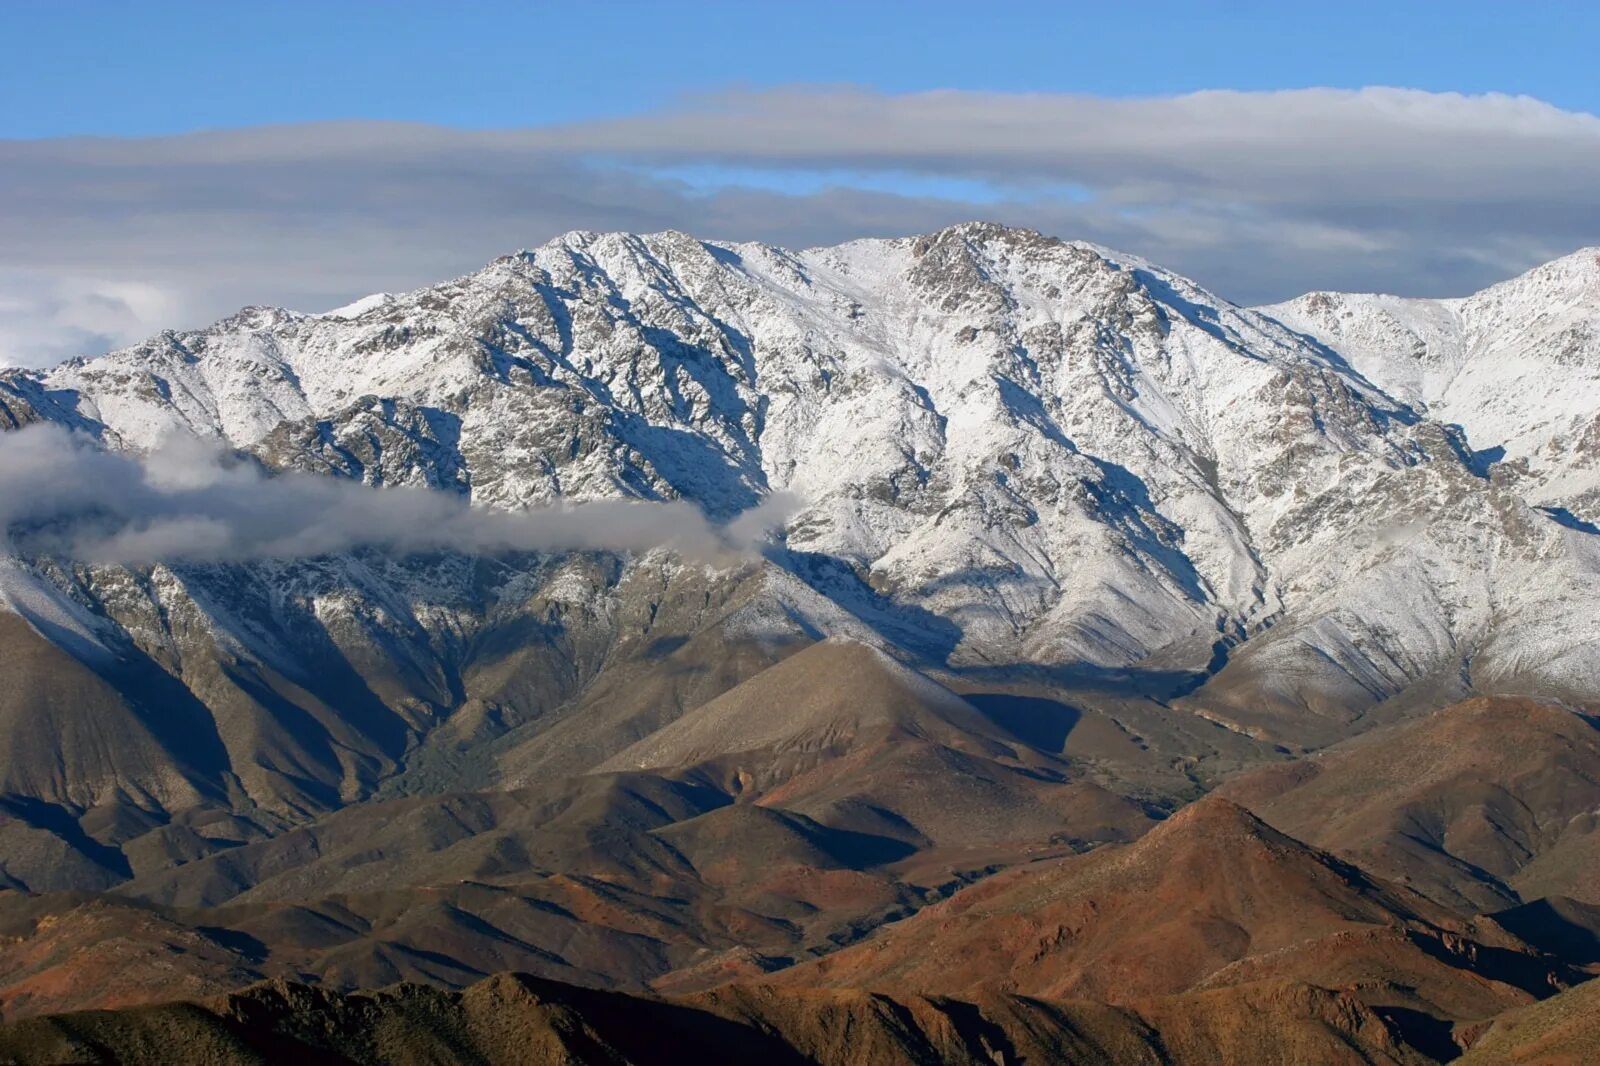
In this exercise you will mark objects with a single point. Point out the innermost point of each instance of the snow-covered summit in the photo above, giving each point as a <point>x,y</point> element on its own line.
<point>1517,366</point>
<point>1014,452</point>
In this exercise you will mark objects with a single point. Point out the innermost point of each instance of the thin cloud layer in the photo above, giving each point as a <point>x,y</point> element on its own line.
<point>60,495</point>
<point>1299,146</point>
<point>1257,195</point>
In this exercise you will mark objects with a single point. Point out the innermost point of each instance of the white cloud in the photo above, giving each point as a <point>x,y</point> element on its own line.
<point>46,318</point>
<point>1257,195</point>
<point>63,496</point>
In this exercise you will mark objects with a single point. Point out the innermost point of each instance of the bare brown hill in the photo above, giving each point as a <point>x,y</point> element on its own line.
<point>73,737</point>
<point>71,951</point>
<point>1212,897</point>
<point>826,699</point>
<point>843,733</point>
<point>884,791</point>
<point>1478,805</point>
<point>516,1019</point>
<point>1563,1030</point>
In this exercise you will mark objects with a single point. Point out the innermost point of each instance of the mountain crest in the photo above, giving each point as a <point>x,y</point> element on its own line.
<point>1015,456</point>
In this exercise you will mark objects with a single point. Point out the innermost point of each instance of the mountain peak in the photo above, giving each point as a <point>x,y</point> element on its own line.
<point>1214,892</point>
<point>830,694</point>
<point>1211,815</point>
<point>986,230</point>
<point>1012,452</point>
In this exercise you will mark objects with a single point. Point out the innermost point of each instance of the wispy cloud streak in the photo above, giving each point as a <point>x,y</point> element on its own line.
<point>62,495</point>
<point>1257,195</point>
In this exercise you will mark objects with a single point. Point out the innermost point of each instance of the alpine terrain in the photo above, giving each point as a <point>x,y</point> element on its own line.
<point>1088,669</point>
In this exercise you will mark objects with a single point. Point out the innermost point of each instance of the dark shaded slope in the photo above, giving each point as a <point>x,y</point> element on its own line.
<point>513,1019</point>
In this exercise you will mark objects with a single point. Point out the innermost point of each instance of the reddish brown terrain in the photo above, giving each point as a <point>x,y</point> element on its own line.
<point>1480,804</point>
<point>1219,898</point>
<point>1563,1030</point>
<point>789,888</point>
<point>518,1020</point>
<point>675,866</point>
<point>974,647</point>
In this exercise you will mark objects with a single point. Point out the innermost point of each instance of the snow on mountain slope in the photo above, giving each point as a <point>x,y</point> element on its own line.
<point>1013,452</point>
<point>1410,348</point>
<point>1516,365</point>
<point>926,397</point>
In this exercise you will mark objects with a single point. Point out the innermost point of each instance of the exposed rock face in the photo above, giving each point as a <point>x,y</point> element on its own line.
<point>1076,540</point>
<point>1013,452</point>
<point>1517,366</point>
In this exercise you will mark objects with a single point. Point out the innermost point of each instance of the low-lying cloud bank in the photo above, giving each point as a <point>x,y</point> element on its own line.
<point>1258,195</point>
<point>61,495</point>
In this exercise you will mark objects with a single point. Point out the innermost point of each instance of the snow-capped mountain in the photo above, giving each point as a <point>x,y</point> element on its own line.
<point>1016,456</point>
<point>1517,366</point>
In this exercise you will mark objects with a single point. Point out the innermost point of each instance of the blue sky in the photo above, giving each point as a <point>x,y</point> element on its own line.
<point>163,163</point>
<point>135,68</point>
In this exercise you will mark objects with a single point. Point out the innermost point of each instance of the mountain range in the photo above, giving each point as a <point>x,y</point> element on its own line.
<point>1120,647</point>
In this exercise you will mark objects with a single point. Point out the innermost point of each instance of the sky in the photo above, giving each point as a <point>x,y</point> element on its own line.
<point>163,163</point>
